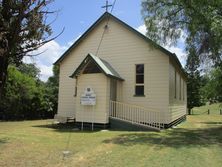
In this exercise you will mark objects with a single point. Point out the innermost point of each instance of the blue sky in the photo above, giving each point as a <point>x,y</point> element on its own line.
<point>76,16</point>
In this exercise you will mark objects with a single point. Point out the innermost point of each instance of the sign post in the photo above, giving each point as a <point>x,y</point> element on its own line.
<point>88,98</point>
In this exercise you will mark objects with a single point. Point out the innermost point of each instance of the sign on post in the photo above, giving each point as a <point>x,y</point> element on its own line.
<point>88,97</point>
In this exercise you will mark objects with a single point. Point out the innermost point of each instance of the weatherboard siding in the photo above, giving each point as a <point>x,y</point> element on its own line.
<point>66,100</point>
<point>122,49</point>
<point>100,85</point>
<point>177,105</point>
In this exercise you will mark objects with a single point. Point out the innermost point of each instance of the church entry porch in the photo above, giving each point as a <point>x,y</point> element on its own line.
<point>96,85</point>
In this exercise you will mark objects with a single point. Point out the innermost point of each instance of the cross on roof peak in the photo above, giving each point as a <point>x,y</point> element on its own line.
<point>107,6</point>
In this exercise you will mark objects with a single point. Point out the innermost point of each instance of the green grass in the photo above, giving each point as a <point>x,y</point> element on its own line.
<point>214,109</point>
<point>196,142</point>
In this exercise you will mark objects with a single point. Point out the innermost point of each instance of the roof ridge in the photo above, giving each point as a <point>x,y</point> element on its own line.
<point>106,14</point>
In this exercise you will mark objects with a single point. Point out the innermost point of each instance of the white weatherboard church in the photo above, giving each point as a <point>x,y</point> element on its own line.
<point>127,78</point>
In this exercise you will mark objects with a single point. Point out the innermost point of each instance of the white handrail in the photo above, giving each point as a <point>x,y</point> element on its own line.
<point>136,115</point>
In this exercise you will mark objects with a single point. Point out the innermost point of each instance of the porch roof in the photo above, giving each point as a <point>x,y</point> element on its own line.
<point>103,65</point>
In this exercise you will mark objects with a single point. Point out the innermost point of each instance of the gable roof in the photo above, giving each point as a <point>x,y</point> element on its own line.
<point>103,65</point>
<point>108,15</point>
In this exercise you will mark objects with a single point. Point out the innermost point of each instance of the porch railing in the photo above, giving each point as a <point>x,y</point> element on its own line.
<point>136,115</point>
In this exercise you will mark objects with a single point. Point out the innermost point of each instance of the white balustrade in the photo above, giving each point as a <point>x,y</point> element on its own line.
<point>136,115</point>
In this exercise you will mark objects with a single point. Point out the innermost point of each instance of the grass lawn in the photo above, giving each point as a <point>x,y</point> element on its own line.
<point>214,109</point>
<point>196,142</point>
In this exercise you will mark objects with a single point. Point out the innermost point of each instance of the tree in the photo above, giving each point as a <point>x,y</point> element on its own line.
<point>212,90</point>
<point>30,70</point>
<point>193,81</point>
<point>200,20</point>
<point>52,87</point>
<point>20,90</point>
<point>23,28</point>
<point>25,97</point>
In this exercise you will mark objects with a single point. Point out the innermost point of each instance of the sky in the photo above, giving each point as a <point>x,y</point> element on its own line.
<point>75,17</point>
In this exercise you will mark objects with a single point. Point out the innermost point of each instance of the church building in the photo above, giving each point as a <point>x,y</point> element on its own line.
<point>113,72</point>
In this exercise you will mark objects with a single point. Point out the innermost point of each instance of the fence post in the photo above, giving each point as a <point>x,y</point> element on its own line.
<point>208,111</point>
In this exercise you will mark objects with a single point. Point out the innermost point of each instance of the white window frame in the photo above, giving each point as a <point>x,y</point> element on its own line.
<point>140,84</point>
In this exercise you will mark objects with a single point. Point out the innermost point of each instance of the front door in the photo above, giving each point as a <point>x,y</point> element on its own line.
<point>113,89</point>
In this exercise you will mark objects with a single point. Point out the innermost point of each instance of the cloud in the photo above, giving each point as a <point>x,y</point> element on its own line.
<point>46,71</point>
<point>50,52</point>
<point>181,55</point>
<point>142,29</point>
<point>178,49</point>
<point>72,41</point>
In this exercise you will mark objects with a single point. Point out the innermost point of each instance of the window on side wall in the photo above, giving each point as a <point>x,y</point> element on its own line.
<point>139,86</point>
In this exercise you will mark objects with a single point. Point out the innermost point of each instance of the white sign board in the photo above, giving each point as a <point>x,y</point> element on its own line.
<point>88,97</point>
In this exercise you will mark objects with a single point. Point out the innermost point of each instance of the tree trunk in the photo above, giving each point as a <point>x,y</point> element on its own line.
<point>189,111</point>
<point>4,45</point>
<point>3,74</point>
<point>3,63</point>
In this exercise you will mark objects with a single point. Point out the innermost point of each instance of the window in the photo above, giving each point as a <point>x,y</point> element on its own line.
<point>139,88</point>
<point>175,84</point>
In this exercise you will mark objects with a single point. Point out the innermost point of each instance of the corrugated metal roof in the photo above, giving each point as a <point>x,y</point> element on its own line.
<point>104,66</point>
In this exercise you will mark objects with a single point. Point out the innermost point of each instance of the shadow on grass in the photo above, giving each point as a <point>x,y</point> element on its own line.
<point>212,123</point>
<point>172,138</point>
<point>3,141</point>
<point>72,127</point>
<point>67,127</point>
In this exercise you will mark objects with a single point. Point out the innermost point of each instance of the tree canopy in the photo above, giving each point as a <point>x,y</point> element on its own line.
<point>193,81</point>
<point>212,89</point>
<point>52,89</point>
<point>26,97</point>
<point>30,70</point>
<point>199,20</point>
<point>23,28</point>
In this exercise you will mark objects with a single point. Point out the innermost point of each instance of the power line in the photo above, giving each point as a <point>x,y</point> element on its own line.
<point>106,26</point>
<point>114,2</point>
<point>113,6</point>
